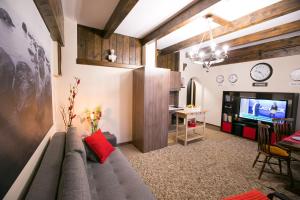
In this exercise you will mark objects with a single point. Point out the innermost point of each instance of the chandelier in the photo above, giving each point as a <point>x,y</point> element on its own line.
<point>208,56</point>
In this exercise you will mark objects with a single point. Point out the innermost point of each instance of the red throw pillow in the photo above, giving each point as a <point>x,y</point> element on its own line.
<point>100,146</point>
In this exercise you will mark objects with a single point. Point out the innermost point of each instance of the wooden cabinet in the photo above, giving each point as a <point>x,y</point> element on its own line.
<point>150,108</point>
<point>175,81</point>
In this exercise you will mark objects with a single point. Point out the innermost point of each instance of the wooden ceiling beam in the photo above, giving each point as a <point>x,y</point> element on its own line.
<point>179,20</point>
<point>219,20</point>
<point>119,14</point>
<point>278,48</point>
<point>52,14</point>
<point>262,35</point>
<point>259,16</point>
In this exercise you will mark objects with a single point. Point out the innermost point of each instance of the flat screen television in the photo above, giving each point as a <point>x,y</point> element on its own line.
<point>262,109</point>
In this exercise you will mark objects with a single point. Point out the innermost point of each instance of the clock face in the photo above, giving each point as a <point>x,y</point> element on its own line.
<point>295,75</point>
<point>233,78</point>
<point>261,72</point>
<point>220,79</point>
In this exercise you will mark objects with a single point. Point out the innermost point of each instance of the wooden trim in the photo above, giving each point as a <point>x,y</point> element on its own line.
<point>179,20</point>
<point>52,13</point>
<point>262,15</point>
<point>262,35</point>
<point>278,48</point>
<point>119,14</point>
<point>105,64</point>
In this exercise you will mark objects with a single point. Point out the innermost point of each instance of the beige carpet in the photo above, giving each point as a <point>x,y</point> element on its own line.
<point>219,166</point>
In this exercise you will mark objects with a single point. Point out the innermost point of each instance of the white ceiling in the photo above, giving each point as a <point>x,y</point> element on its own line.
<point>227,9</point>
<point>148,15</point>
<point>93,13</point>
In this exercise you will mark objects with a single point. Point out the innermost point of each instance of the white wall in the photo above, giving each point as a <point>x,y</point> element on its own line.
<point>279,82</point>
<point>111,88</point>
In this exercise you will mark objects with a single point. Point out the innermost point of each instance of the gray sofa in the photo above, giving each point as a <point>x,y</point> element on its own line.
<point>66,173</point>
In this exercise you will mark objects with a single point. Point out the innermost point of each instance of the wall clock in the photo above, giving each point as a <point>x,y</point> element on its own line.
<point>261,72</point>
<point>233,78</point>
<point>220,79</point>
<point>295,75</point>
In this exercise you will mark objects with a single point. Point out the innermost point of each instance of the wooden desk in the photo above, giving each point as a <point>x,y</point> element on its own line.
<point>186,133</point>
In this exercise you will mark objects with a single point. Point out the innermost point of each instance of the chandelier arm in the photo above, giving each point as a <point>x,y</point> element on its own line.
<point>201,43</point>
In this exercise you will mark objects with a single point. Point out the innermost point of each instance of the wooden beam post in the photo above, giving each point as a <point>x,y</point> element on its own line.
<point>52,14</point>
<point>262,35</point>
<point>179,20</point>
<point>119,14</point>
<point>278,48</point>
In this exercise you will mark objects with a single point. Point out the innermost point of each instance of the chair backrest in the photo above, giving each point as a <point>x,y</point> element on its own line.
<point>264,138</point>
<point>282,127</point>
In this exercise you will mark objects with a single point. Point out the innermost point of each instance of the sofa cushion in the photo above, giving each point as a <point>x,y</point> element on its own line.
<point>74,182</point>
<point>74,143</point>
<point>100,146</point>
<point>90,155</point>
<point>46,180</point>
<point>116,180</point>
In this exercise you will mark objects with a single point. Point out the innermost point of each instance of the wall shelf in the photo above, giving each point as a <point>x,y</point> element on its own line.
<point>105,64</point>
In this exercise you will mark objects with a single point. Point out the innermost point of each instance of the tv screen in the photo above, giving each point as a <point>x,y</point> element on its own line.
<point>262,109</point>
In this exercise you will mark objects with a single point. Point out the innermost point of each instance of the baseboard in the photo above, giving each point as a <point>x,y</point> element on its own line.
<point>212,126</point>
<point>124,143</point>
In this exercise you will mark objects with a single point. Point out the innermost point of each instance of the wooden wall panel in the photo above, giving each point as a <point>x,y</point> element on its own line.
<point>169,61</point>
<point>120,44</point>
<point>93,49</point>
<point>131,51</point>
<point>126,50</point>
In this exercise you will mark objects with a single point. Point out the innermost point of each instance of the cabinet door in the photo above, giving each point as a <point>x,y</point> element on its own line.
<point>175,81</point>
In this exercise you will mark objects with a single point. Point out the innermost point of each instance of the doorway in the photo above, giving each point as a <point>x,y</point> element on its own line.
<point>194,93</point>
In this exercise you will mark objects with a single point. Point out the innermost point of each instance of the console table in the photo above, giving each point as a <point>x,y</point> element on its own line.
<point>186,133</point>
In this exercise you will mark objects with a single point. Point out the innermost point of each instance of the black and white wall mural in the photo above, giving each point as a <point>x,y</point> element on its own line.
<point>25,87</point>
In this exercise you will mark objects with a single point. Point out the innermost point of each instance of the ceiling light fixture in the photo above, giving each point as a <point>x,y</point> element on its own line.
<point>214,55</point>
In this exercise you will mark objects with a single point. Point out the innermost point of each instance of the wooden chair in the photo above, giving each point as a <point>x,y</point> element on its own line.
<point>271,151</point>
<point>282,127</point>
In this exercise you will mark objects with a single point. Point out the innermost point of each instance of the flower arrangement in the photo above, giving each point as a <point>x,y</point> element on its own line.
<point>92,117</point>
<point>68,113</point>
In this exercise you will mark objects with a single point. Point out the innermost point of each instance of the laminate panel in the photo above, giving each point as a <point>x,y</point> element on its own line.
<point>81,43</point>
<point>153,128</point>
<point>92,48</point>
<point>105,49</point>
<point>169,61</point>
<point>113,42</point>
<point>91,45</point>
<point>120,44</point>
<point>126,50</point>
<point>138,52</point>
<point>138,109</point>
<point>97,47</point>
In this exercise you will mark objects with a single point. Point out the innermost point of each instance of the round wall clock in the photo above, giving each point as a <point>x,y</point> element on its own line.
<point>220,79</point>
<point>261,72</point>
<point>233,78</point>
<point>295,75</point>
